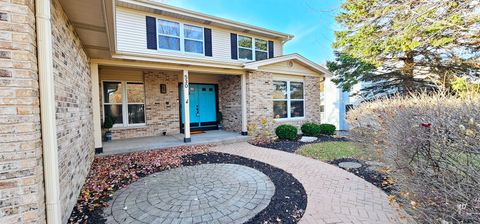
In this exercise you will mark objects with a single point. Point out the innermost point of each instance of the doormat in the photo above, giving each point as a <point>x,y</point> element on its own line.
<point>196,132</point>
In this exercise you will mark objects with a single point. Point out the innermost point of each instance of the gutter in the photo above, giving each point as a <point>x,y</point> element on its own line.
<point>47,110</point>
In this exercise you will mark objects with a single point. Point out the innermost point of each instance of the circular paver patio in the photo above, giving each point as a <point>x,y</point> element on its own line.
<point>207,193</point>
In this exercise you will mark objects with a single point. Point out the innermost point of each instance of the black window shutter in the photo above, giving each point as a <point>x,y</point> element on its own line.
<point>233,45</point>
<point>270,49</point>
<point>151,33</point>
<point>207,35</point>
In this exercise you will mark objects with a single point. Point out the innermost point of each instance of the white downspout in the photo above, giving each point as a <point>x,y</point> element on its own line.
<point>47,111</point>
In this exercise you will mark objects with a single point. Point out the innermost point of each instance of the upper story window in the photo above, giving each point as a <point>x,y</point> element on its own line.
<point>261,49</point>
<point>247,50</point>
<point>180,37</point>
<point>193,36</point>
<point>168,35</point>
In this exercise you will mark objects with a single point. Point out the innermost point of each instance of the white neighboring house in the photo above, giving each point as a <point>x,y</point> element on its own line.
<point>336,103</point>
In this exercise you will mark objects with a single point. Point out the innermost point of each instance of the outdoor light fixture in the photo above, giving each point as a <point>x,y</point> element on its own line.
<point>163,88</point>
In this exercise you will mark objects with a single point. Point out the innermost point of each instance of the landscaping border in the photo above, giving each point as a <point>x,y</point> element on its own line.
<point>294,145</point>
<point>289,202</point>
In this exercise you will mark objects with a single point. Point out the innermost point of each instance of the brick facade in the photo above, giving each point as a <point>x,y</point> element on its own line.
<point>312,98</point>
<point>161,109</point>
<point>21,179</point>
<point>259,95</point>
<point>230,102</point>
<point>260,103</point>
<point>21,183</point>
<point>74,116</point>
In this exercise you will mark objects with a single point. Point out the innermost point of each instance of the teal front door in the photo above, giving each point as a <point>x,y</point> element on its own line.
<point>203,106</point>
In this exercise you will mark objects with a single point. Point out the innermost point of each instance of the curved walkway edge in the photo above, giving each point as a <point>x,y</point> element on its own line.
<point>334,195</point>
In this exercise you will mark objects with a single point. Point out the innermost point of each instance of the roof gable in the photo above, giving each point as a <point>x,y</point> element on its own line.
<point>288,67</point>
<point>288,64</point>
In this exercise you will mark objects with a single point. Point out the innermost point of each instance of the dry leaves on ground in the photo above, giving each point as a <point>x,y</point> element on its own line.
<point>110,173</point>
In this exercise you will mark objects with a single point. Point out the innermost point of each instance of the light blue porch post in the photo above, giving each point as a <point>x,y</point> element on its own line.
<point>186,107</point>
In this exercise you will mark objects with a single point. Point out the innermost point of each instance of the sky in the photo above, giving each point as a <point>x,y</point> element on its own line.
<point>312,22</point>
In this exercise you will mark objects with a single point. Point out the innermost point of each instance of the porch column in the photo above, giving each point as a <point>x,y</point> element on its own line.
<point>186,107</point>
<point>244,103</point>
<point>97,127</point>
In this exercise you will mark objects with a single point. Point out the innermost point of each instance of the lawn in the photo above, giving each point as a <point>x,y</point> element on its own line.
<point>328,151</point>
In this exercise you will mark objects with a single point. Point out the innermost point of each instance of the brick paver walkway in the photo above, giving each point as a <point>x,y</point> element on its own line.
<point>208,193</point>
<point>334,195</point>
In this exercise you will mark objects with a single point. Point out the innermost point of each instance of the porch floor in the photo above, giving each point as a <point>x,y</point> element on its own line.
<point>158,142</point>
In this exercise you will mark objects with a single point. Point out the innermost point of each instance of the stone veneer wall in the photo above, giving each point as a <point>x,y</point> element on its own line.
<point>74,115</point>
<point>21,179</point>
<point>230,102</point>
<point>260,103</point>
<point>161,110</point>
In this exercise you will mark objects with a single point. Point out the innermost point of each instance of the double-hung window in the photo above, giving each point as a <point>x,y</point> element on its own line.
<point>245,48</point>
<point>168,35</point>
<point>180,37</point>
<point>193,38</point>
<point>288,99</point>
<point>112,101</point>
<point>261,49</point>
<point>125,102</point>
<point>252,48</point>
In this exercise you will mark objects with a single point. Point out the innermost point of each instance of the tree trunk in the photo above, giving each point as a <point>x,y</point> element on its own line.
<point>407,70</point>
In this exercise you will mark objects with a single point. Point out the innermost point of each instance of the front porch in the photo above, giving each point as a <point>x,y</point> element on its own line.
<point>158,142</point>
<point>150,110</point>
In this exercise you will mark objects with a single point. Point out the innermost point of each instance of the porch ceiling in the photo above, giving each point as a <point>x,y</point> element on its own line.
<point>143,65</point>
<point>93,22</point>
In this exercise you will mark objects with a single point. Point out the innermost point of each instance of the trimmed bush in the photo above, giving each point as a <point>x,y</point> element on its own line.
<point>327,129</point>
<point>310,129</point>
<point>286,131</point>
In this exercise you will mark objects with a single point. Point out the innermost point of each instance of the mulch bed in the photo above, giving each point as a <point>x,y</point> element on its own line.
<point>289,202</point>
<point>110,173</point>
<point>374,177</point>
<point>292,146</point>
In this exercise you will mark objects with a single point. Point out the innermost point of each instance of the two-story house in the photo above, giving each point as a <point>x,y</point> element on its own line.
<point>66,65</point>
<point>237,69</point>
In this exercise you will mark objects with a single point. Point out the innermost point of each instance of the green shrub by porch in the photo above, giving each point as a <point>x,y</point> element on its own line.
<point>327,129</point>
<point>286,131</point>
<point>310,129</point>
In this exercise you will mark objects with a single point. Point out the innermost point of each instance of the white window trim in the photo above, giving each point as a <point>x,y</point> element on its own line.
<point>182,25</point>
<point>253,48</point>
<point>181,37</point>
<point>168,35</point>
<point>124,104</point>
<point>289,100</point>
<point>246,48</point>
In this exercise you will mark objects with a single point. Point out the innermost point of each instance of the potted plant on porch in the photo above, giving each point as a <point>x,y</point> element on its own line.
<point>108,124</point>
